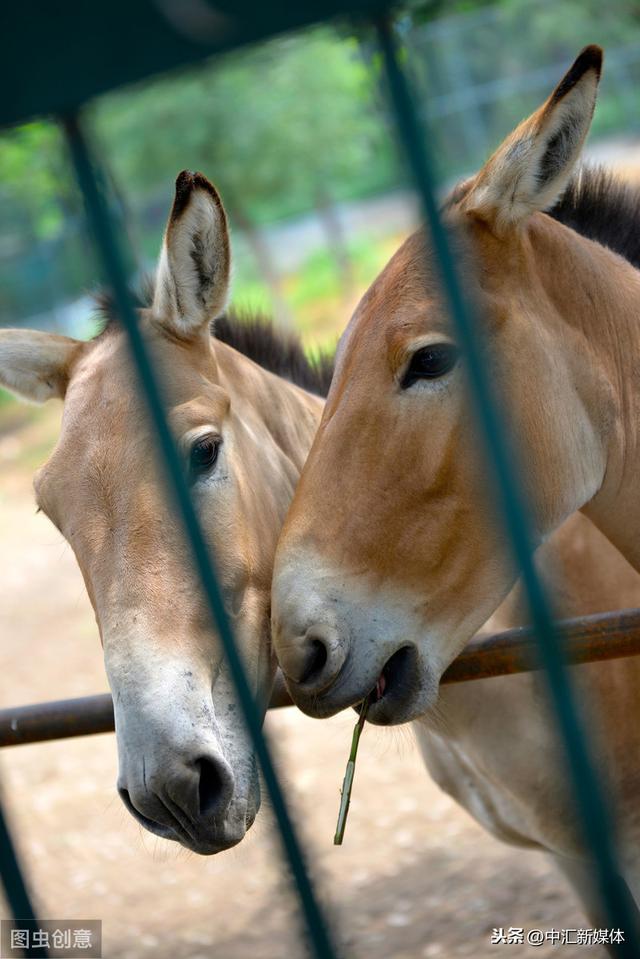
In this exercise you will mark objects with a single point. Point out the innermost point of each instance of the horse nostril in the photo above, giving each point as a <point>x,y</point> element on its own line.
<point>321,656</point>
<point>214,786</point>
<point>316,660</point>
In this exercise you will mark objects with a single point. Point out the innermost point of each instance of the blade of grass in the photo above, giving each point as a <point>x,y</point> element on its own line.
<point>347,783</point>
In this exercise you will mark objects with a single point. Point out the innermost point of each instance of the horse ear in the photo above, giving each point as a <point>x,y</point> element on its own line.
<point>35,365</point>
<point>192,280</point>
<point>531,169</point>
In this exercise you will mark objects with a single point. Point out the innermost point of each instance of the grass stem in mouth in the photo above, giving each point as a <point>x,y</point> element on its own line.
<point>347,783</point>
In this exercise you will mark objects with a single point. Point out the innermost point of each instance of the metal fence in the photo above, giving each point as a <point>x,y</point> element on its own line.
<point>153,35</point>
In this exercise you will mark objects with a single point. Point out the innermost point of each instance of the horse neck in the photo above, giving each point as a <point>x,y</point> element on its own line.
<point>289,413</point>
<point>597,293</point>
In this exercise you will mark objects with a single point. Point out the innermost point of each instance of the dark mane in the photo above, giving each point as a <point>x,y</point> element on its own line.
<point>278,351</point>
<point>602,207</point>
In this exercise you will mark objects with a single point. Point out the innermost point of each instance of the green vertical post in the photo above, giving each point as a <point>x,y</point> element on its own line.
<point>15,886</point>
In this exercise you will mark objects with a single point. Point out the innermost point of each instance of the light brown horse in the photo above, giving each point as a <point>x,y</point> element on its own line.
<point>391,556</point>
<point>187,770</point>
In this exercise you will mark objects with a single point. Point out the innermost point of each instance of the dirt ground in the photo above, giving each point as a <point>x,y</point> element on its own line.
<point>416,877</point>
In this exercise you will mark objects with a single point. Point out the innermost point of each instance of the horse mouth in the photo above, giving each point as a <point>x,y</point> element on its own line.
<point>396,685</point>
<point>151,825</point>
<point>203,845</point>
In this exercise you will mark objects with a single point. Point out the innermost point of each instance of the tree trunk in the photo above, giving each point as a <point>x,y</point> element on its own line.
<point>337,241</point>
<point>266,266</point>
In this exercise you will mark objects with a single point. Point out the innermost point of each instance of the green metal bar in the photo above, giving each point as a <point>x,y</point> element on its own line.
<point>16,887</point>
<point>87,173</point>
<point>590,801</point>
<point>50,64</point>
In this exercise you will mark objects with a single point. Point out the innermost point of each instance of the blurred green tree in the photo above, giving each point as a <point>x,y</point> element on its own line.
<point>280,128</point>
<point>34,185</point>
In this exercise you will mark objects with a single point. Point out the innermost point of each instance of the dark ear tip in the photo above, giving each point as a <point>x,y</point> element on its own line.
<point>590,59</point>
<point>186,182</point>
<point>183,179</point>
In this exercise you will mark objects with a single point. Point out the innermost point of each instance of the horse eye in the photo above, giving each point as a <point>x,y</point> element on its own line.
<point>430,362</point>
<point>203,455</point>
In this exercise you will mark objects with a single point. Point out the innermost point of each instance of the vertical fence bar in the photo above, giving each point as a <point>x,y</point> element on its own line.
<point>87,173</point>
<point>596,819</point>
<point>15,886</point>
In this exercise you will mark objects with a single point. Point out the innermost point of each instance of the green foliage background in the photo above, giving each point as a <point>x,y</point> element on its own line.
<point>300,124</point>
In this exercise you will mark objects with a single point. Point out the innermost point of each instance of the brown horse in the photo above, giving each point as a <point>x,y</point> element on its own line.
<point>187,770</point>
<point>391,556</point>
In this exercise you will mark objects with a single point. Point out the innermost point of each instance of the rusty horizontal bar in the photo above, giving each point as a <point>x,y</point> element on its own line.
<point>85,716</point>
<point>589,639</point>
<point>585,640</point>
<point>58,719</point>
